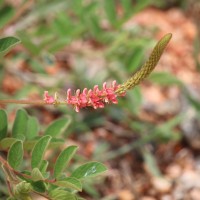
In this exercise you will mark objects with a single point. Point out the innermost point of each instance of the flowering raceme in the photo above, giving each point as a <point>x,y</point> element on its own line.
<point>95,97</point>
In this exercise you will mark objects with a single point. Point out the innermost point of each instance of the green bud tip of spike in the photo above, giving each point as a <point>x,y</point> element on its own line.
<point>148,67</point>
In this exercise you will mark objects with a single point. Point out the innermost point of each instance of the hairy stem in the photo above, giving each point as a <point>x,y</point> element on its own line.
<point>19,174</point>
<point>30,102</point>
<point>6,101</point>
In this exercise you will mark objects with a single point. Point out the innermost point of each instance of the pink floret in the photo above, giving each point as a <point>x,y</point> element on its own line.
<point>48,99</point>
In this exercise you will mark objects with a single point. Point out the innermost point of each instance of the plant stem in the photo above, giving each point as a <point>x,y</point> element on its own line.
<point>4,162</point>
<point>9,187</point>
<point>30,102</point>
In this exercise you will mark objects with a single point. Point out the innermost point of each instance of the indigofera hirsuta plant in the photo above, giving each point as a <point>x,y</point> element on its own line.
<point>56,184</point>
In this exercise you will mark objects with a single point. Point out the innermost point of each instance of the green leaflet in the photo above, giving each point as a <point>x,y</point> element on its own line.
<point>61,195</point>
<point>20,124</point>
<point>147,68</point>
<point>89,169</point>
<point>43,166</point>
<point>3,124</point>
<point>63,159</point>
<point>58,126</point>
<point>36,175</point>
<point>15,155</point>
<point>69,182</point>
<point>39,150</point>
<point>7,42</point>
<point>38,186</point>
<point>7,142</point>
<point>32,128</point>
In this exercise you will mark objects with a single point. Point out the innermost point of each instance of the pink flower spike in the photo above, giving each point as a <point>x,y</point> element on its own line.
<point>96,98</point>
<point>48,99</point>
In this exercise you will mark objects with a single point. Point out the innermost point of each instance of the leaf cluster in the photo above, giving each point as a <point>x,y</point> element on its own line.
<point>26,146</point>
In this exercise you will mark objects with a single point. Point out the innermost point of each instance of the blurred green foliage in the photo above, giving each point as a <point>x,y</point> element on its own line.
<point>94,44</point>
